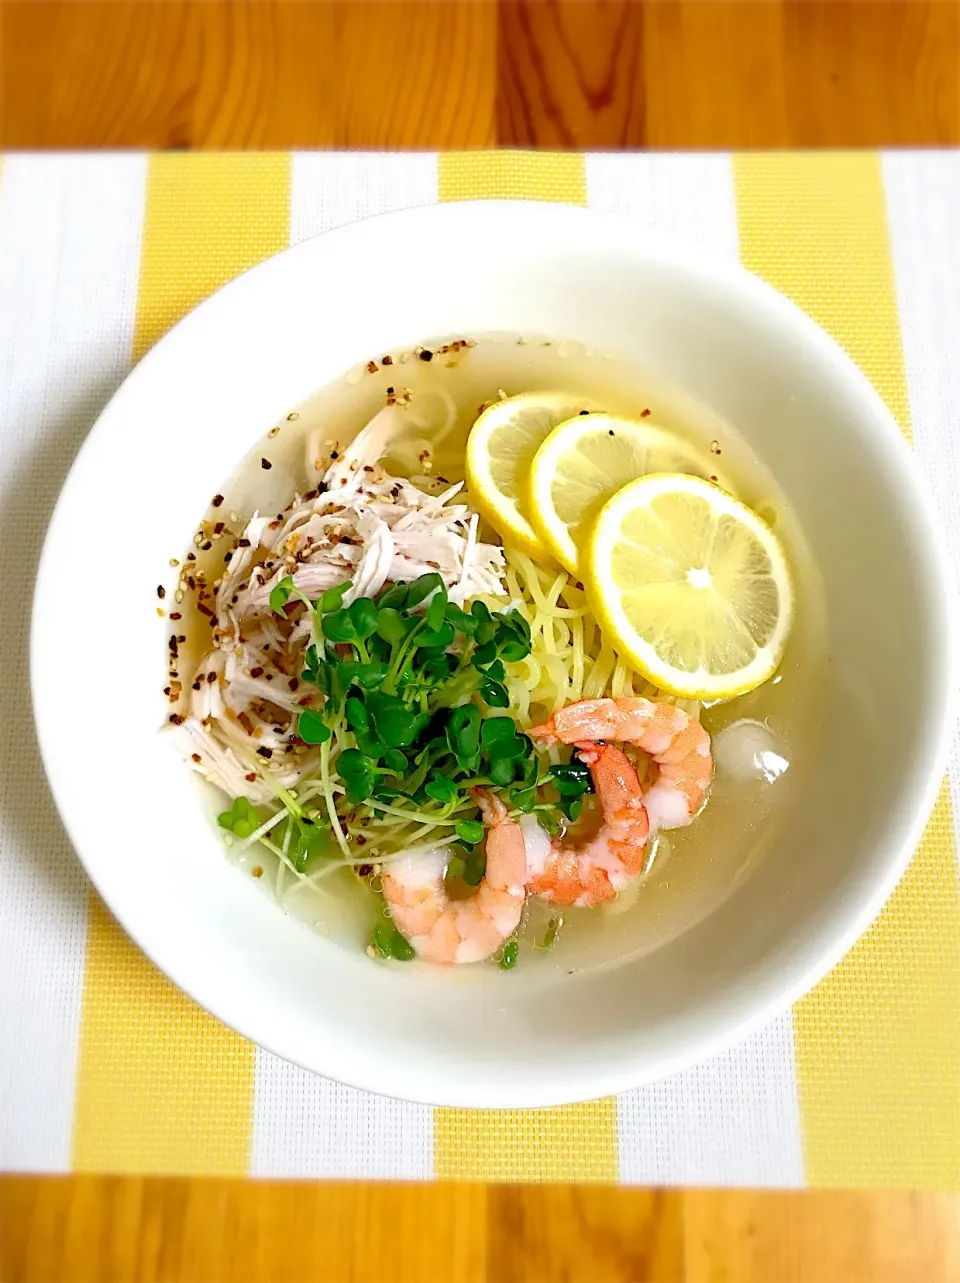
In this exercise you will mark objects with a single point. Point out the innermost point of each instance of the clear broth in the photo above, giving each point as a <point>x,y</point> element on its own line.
<point>690,871</point>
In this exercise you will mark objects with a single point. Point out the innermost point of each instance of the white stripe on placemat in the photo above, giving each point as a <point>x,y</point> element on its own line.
<point>308,1126</point>
<point>69,255</point>
<point>685,195</point>
<point>733,1120</point>
<point>923,211</point>
<point>304,1125</point>
<point>329,189</point>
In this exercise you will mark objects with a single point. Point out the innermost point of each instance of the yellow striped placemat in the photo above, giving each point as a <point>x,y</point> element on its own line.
<point>861,1086</point>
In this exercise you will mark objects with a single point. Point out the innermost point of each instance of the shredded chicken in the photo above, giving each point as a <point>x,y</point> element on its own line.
<point>360,524</point>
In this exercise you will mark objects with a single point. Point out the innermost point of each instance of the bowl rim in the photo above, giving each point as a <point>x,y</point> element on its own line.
<point>796,976</point>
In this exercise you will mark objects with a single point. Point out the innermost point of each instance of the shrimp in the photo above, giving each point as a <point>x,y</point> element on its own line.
<point>589,874</point>
<point>676,743</point>
<point>445,930</point>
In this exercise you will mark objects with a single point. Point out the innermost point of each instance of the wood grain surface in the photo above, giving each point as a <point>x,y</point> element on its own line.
<point>477,73</point>
<point>115,1230</point>
<point>448,74</point>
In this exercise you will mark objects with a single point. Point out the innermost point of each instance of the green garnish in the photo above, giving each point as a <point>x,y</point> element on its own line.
<point>389,943</point>
<point>475,865</point>
<point>311,727</point>
<point>241,820</point>
<point>412,700</point>
<point>469,831</point>
<point>550,936</point>
<point>280,595</point>
<point>441,789</point>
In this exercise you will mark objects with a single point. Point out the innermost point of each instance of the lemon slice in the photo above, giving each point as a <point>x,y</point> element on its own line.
<point>691,585</point>
<point>500,449</point>
<point>586,460</point>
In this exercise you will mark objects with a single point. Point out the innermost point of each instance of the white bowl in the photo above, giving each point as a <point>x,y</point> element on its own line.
<point>198,402</point>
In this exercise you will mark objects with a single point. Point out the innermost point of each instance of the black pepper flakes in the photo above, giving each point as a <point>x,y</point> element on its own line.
<point>243,543</point>
<point>372,367</point>
<point>217,500</point>
<point>195,757</point>
<point>256,672</point>
<point>644,413</point>
<point>176,719</point>
<point>425,355</point>
<point>386,360</point>
<point>161,591</point>
<point>266,465</point>
<point>211,677</point>
<point>265,752</point>
<point>175,614</point>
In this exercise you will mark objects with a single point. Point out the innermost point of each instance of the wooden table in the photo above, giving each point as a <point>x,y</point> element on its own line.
<point>475,73</point>
<point>424,73</point>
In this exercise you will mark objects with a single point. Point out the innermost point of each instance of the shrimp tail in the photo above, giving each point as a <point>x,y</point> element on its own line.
<point>445,930</point>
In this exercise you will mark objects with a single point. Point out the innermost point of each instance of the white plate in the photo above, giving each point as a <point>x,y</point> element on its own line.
<point>200,399</point>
